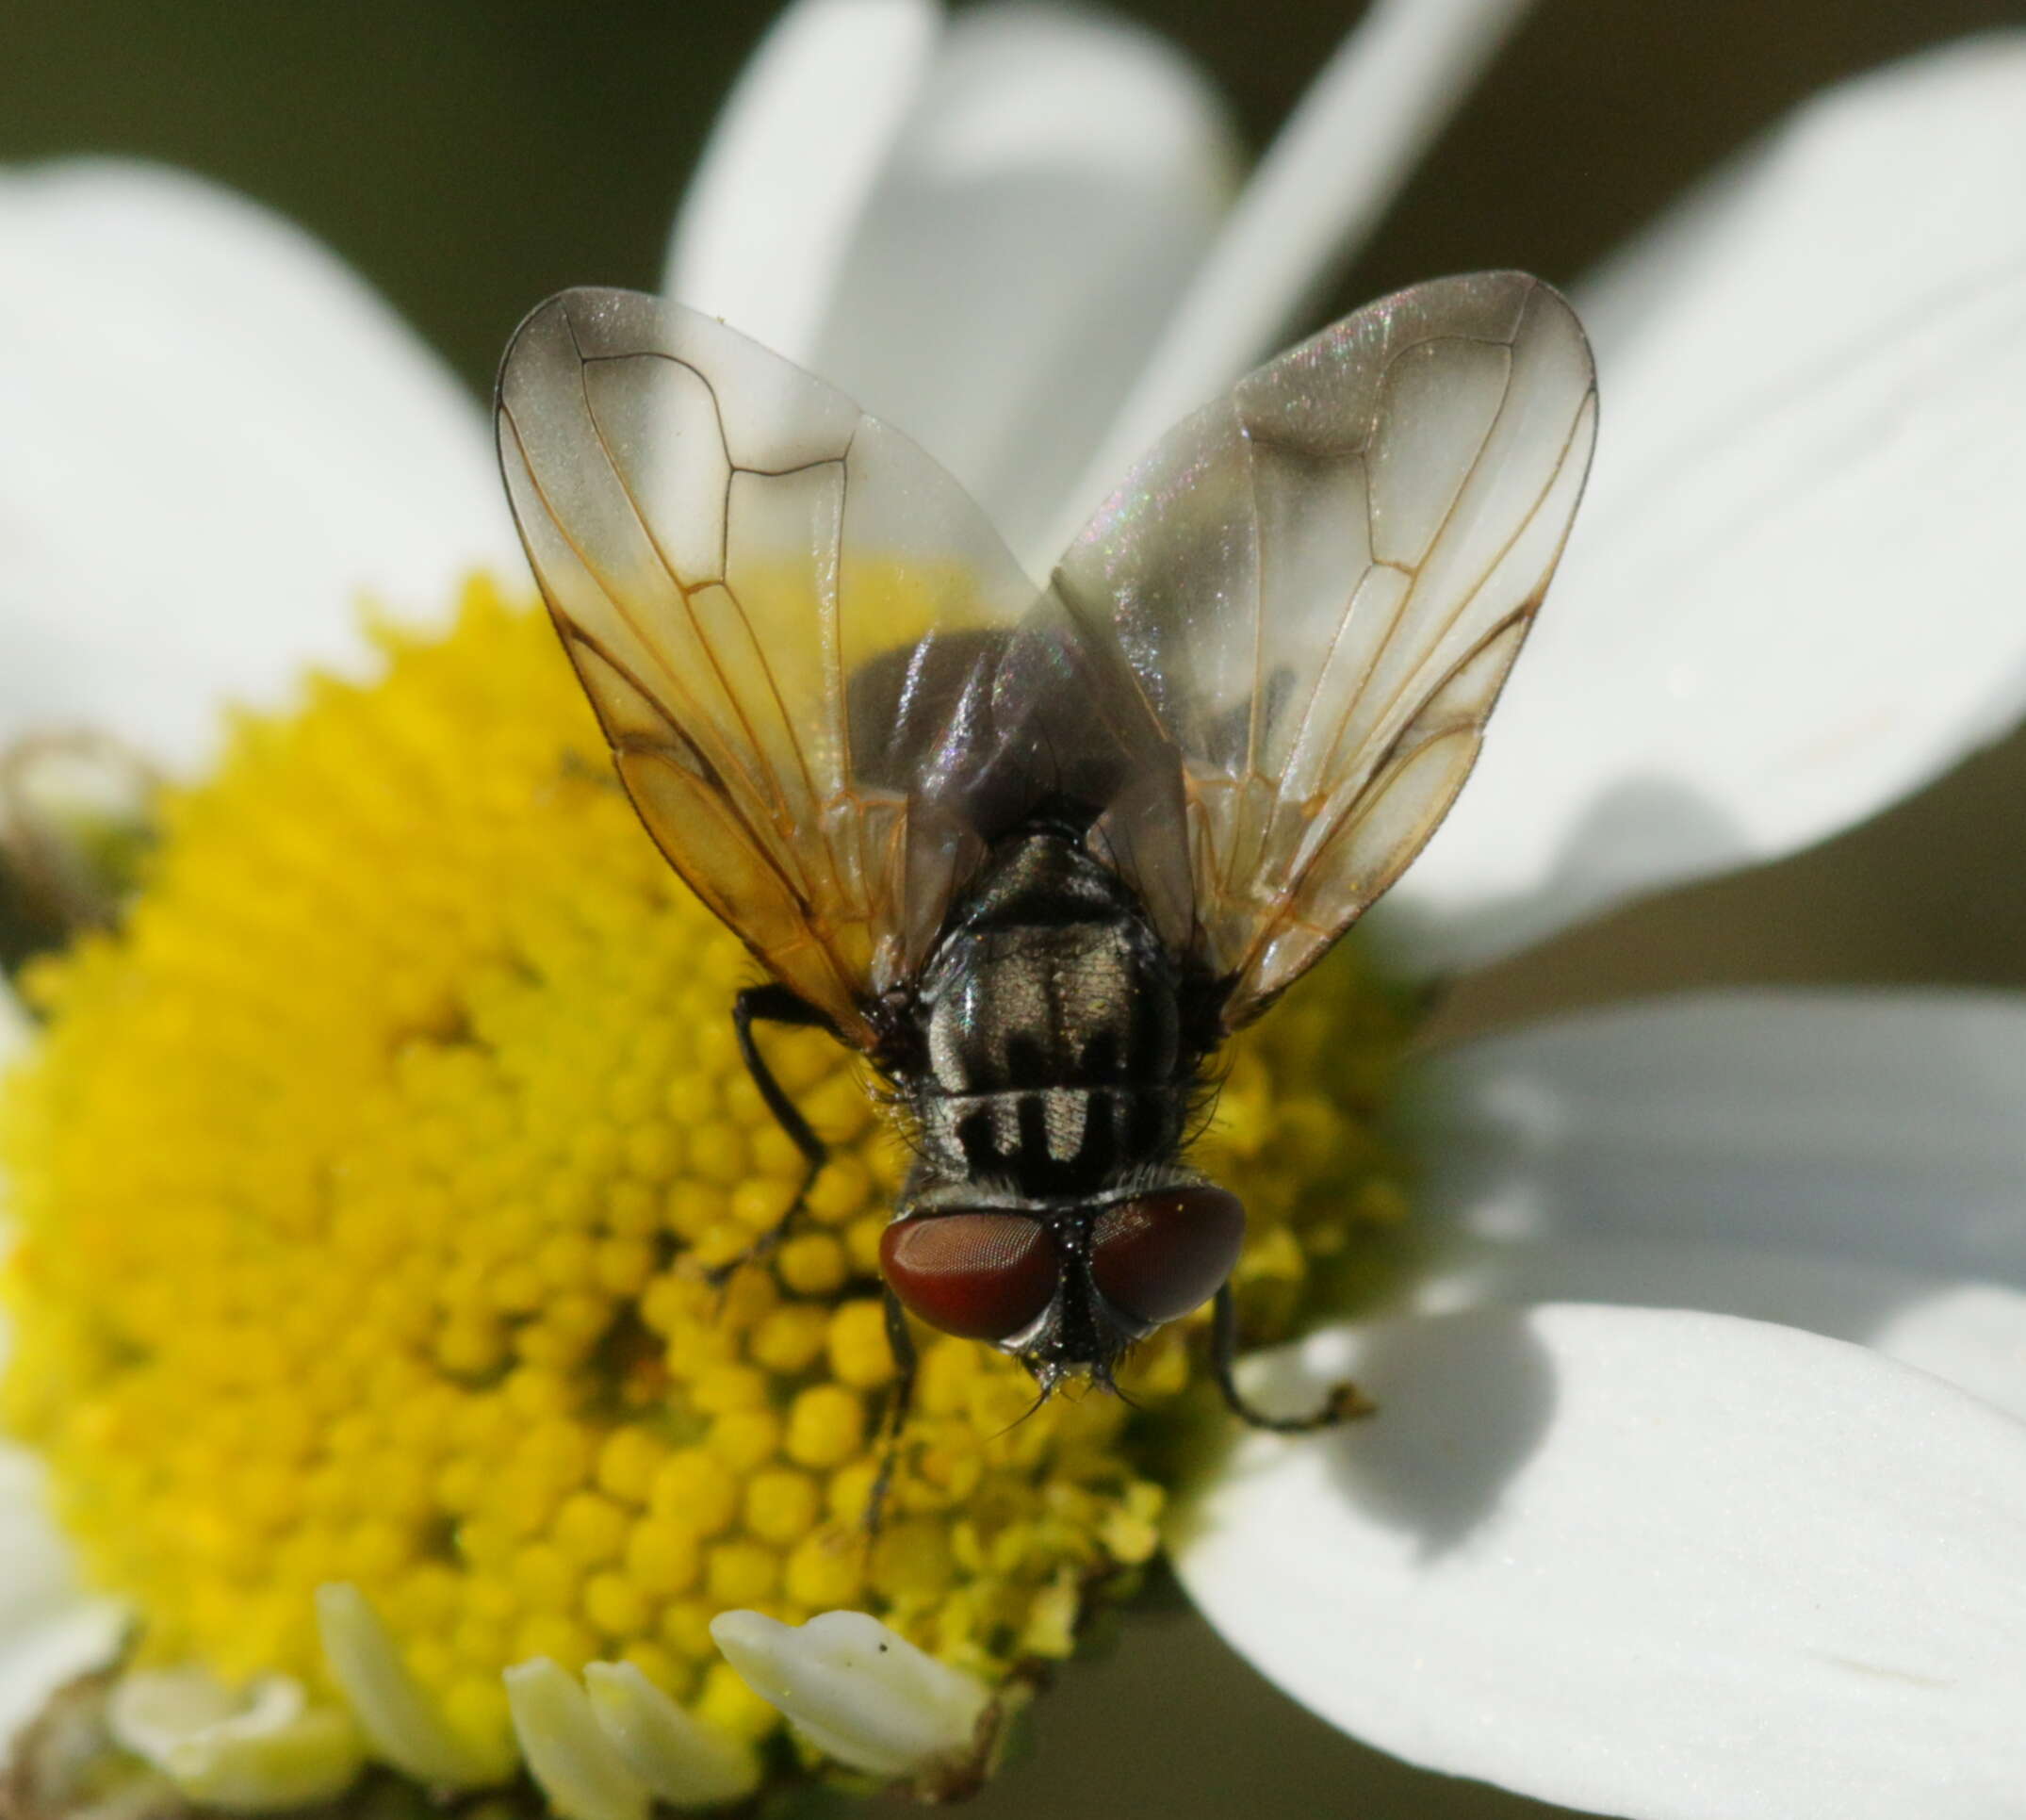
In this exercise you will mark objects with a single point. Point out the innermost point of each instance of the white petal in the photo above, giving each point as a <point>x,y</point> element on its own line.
<point>769,213</point>
<point>856,1690</point>
<point>50,1630</point>
<point>1885,1126</point>
<point>1972,1333</point>
<point>1330,174</point>
<point>217,437</point>
<point>1790,595</point>
<point>1645,1563</point>
<point>1055,184</point>
<point>1850,1163</point>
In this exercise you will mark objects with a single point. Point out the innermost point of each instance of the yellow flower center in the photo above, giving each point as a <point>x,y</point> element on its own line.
<point>362,1181</point>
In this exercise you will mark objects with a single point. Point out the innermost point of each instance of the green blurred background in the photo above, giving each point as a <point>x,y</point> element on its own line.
<point>471,155</point>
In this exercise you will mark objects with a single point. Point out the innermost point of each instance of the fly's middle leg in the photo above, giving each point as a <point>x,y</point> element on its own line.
<point>893,1417</point>
<point>1344,1403</point>
<point>776,1004</point>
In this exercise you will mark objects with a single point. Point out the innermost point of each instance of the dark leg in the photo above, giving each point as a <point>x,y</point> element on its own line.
<point>1344,1402</point>
<point>776,1004</point>
<point>893,1417</point>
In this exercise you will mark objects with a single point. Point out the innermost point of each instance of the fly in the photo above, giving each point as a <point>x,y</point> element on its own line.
<point>1037,853</point>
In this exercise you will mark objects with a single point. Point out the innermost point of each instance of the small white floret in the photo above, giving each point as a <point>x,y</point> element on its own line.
<point>259,1751</point>
<point>401,1721</point>
<point>686,1763</point>
<point>580,1768</point>
<point>858,1691</point>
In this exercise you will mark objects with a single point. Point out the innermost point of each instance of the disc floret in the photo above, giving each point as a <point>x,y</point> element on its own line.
<point>368,1178</point>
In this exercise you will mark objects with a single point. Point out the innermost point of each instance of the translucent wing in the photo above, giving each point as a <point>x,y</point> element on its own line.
<point>1318,583</point>
<point>789,619</point>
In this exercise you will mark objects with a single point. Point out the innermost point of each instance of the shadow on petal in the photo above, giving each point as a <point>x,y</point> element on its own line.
<point>1460,1412</point>
<point>1745,1570</point>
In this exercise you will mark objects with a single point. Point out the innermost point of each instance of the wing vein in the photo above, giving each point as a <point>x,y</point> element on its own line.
<point>697,510</point>
<point>1397,644</point>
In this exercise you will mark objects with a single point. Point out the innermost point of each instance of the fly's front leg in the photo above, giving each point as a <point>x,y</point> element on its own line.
<point>776,1004</point>
<point>1344,1402</point>
<point>893,1417</point>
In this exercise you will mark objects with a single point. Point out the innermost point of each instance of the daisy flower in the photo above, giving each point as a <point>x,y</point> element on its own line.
<point>360,1174</point>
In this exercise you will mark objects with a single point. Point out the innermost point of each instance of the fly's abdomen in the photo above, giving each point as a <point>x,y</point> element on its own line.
<point>1053,1053</point>
<point>1053,1141</point>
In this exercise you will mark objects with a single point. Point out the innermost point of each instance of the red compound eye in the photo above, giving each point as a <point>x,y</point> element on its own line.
<point>1159,1256</point>
<point>981,1275</point>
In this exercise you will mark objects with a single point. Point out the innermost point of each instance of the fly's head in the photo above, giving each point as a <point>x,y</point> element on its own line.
<point>1065,1287</point>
